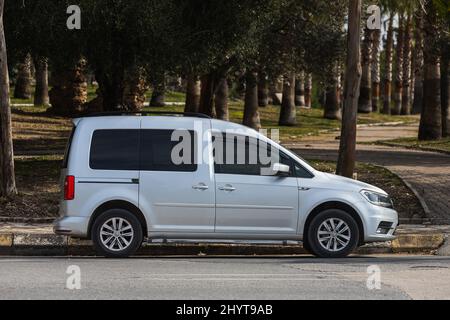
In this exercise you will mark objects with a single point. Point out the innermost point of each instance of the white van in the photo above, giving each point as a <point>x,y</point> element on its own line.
<point>122,184</point>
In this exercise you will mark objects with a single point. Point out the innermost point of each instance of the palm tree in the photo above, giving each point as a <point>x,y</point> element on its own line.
<point>376,77</point>
<point>22,88</point>
<point>308,91</point>
<point>288,112</point>
<point>388,49</point>
<point>300,90</point>
<point>7,177</point>
<point>407,46</point>
<point>418,63</point>
<point>251,112</point>
<point>193,90</point>
<point>398,90</point>
<point>332,107</point>
<point>221,99</point>
<point>41,90</point>
<point>431,117</point>
<point>347,148</point>
<point>365,98</point>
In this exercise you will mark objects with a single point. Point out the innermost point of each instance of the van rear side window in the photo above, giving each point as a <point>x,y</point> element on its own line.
<point>115,150</point>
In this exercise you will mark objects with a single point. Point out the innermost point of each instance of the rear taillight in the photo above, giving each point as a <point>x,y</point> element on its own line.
<point>69,188</point>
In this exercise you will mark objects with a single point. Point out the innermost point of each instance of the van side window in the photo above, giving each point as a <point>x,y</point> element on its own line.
<point>157,148</point>
<point>246,165</point>
<point>115,150</point>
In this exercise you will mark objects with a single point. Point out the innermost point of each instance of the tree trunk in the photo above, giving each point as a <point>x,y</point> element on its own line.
<point>418,64</point>
<point>365,98</point>
<point>7,177</point>
<point>193,92</point>
<point>407,45</point>
<point>41,97</point>
<point>22,88</point>
<point>445,95</point>
<point>398,90</point>
<point>207,95</point>
<point>288,112</point>
<point>332,107</point>
<point>308,91</point>
<point>159,91</point>
<point>251,113</point>
<point>347,148</point>
<point>431,121</point>
<point>388,72</point>
<point>300,90</point>
<point>134,90</point>
<point>221,100</point>
<point>69,92</point>
<point>263,90</point>
<point>274,92</point>
<point>376,78</point>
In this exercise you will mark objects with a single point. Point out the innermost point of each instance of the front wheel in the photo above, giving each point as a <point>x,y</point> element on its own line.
<point>117,233</point>
<point>333,234</point>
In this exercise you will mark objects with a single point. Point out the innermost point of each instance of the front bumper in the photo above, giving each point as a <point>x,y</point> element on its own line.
<point>72,226</point>
<point>376,216</point>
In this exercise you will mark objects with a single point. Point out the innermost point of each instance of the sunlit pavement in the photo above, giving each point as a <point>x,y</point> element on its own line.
<point>304,277</point>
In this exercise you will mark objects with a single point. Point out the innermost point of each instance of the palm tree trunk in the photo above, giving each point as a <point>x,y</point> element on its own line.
<point>288,112</point>
<point>69,91</point>
<point>376,78</point>
<point>398,90</point>
<point>193,92</point>
<point>134,90</point>
<point>365,98</point>
<point>251,113</point>
<point>388,72</point>
<point>274,91</point>
<point>332,106</point>
<point>347,148</point>
<point>221,99</point>
<point>159,91</point>
<point>41,97</point>
<point>418,64</point>
<point>445,94</point>
<point>207,95</point>
<point>22,89</point>
<point>407,45</point>
<point>431,117</point>
<point>308,91</point>
<point>7,176</point>
<point>300,90</point>
<point>263,90</point>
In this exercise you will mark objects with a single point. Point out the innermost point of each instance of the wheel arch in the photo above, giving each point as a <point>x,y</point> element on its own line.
<point>335,205</point>
<point>118,204</point>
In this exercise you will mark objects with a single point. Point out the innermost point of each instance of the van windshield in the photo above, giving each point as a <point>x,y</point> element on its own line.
<point>67,151</point>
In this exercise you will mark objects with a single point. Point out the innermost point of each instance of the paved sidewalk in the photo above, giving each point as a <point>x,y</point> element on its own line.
<point>426,172</point>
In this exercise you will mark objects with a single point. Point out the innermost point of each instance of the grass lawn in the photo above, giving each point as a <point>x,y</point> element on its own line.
<point>442,145</point>
<point>38,176</point>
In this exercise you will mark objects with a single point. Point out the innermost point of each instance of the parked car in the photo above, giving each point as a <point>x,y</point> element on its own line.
<point>121,185</point>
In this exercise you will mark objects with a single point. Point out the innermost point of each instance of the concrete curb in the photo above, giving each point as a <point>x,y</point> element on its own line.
<point>394,145</point>
<point>54,245</point>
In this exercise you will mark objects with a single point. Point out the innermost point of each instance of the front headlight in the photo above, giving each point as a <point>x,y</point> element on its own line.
<point>378,199</point>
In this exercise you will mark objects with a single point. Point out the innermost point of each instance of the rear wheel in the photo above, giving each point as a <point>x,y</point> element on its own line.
<point>117,233</point>
<point>333,234</point>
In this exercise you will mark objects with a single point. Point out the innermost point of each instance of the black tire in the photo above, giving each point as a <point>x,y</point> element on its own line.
<point>134,243</point>
<point>352,233</point>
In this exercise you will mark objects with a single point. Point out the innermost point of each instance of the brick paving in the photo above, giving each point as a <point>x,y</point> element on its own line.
<point>427,172</point>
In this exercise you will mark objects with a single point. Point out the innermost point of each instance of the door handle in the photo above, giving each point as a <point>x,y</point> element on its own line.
<point>227,188</point>
<point>200,186</point>
<point>304,189</point>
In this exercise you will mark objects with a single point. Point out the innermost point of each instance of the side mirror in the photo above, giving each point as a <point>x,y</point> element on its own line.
<point>281,170</point>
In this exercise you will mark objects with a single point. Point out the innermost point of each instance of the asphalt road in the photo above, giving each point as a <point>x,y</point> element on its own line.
<point>402,277</point>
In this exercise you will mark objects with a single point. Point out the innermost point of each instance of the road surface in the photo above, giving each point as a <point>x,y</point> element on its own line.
<point>304,277</point>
